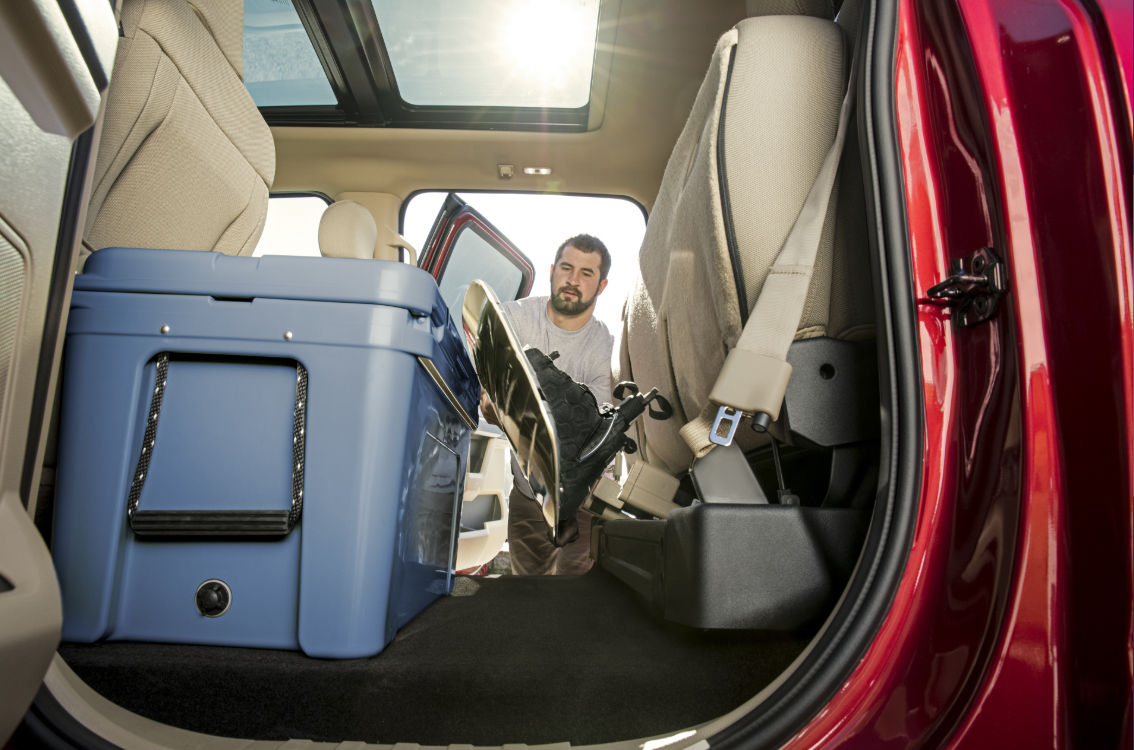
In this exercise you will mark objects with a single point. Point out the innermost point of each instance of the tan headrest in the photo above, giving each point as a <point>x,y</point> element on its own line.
<point>347,230</point>
<point>817,8</point>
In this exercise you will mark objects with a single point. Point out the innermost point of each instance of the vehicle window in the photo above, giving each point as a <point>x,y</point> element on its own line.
<point>473,257</point>
<point>537,223</point>
<point>494,53</point>
<point>292,226</point>
<point>280,65</point>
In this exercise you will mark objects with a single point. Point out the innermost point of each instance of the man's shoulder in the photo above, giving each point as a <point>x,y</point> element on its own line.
<point>600,331</point>
<point>525,305</point>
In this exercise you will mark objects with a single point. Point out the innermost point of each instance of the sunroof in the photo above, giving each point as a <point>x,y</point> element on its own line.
<point>490,53</point>
<point>280,65</point>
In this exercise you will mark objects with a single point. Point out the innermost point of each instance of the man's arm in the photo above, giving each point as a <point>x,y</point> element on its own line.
<point>598,370</point>
<point>487,410</point>
<point>600,386</point>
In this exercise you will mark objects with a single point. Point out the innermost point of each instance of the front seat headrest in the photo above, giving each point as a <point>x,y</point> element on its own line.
<point>347,230</point>
<point>815,8</point>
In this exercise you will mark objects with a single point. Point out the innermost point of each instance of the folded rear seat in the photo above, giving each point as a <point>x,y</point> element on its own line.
<point>263,452</point>
<point>737,185</point>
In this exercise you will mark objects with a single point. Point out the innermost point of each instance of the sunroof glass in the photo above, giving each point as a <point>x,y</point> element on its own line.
<point>491,53</point>
<point>280,65</point>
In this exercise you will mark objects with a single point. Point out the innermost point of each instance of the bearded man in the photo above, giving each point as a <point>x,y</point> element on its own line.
<point>561,323</point>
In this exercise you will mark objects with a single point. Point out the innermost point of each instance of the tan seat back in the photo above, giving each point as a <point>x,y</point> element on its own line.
<point>763,120</point>
<point>185,160</point>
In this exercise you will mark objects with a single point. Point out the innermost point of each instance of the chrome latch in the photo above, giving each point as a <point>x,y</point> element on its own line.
<point>724,426</point>
<point>974,289</point>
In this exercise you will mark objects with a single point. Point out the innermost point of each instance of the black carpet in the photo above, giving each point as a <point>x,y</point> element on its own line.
<point>511,659</point>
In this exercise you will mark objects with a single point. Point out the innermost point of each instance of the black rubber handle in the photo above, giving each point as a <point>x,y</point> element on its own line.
<point>210,522</point>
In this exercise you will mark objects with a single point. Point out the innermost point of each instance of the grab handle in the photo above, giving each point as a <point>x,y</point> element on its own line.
<point>217,522</point>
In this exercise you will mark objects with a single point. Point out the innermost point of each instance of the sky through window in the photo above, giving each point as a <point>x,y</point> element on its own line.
<point>280,65</point>
<point>498,53</point>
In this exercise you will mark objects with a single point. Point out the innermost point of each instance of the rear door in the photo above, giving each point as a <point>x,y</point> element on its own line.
<point>53,72</point>
<point>464,246</point>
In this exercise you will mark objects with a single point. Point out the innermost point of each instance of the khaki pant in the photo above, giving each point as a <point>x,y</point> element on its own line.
<point>532,552</point>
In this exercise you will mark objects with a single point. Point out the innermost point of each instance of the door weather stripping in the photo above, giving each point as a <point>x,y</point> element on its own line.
<point>974,289</point>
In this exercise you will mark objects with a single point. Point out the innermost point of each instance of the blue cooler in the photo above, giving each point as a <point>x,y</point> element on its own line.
<point>263,452</point>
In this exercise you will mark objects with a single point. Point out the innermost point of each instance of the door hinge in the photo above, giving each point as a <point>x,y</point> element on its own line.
<point>974,289</point>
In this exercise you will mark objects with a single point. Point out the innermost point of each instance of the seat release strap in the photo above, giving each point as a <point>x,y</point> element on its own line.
<point>756,373</point>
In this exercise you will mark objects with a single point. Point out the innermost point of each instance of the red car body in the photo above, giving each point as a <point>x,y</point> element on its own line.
<point>1011,627</point>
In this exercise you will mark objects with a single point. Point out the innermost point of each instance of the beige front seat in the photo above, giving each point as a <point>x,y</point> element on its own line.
<point>762,123</point>
<point>186,160</point>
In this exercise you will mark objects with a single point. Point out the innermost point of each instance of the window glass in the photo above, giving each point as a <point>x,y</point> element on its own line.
<point>538,223</point>
<point>497,53</point>
<point>280,65</point>
<point>473,257</point>
<point>292,226</point>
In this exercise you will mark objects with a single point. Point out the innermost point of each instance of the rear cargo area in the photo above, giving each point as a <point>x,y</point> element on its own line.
<point>509,659</point>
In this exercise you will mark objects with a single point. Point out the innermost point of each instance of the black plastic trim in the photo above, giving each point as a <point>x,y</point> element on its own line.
<point>447,118</point>
<point>303,117</point>
<point>868,597</point>
<point>84,42</point>
<point>349,47</point>
<point>726,201</point>
<point>301,194</point>
<point>318,37</point>
<point>47,725</point>
<point>53,320</point>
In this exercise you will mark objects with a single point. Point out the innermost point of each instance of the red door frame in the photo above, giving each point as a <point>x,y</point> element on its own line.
<point>1048,681</point>
<point>468,215</point>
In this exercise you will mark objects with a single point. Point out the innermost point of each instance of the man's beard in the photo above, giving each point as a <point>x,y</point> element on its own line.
<point>565,306</point>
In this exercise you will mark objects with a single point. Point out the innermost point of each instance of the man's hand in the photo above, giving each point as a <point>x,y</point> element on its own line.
<point>488,410</point>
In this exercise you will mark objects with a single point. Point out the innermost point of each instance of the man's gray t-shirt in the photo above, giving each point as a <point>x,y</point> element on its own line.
<point>583,354</point>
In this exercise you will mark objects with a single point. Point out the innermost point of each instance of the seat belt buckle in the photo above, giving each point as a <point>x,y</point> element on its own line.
<point>724,426</point>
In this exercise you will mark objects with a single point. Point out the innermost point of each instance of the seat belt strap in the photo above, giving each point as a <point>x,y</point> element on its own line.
<point>755,373</point>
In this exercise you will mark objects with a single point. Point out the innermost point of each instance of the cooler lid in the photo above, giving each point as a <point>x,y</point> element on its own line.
<point>369,282</point>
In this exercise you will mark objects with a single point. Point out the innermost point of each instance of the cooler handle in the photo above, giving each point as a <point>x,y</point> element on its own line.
<point>217,522</point>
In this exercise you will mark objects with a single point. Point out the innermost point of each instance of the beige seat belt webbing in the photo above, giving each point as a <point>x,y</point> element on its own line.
<point>755,373</point>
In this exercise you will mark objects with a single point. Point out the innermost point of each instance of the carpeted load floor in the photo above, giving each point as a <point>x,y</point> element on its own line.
<point>511,659</point>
